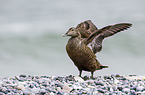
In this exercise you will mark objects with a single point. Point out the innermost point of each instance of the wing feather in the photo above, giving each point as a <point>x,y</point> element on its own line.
<point>113,29</point>
<point>86,28</point>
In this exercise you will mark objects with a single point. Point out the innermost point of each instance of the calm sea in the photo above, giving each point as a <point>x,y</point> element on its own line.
<point>31,41</point>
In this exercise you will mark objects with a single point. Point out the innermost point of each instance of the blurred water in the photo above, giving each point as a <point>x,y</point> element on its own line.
<point>31,42</point>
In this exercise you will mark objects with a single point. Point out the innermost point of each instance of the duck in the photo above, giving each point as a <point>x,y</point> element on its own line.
<point>83,56</point>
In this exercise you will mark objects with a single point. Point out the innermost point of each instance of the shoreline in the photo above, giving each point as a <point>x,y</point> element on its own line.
<point>52,85</point>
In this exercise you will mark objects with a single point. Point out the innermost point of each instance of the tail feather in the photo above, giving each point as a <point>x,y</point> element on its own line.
<point>104,67</point>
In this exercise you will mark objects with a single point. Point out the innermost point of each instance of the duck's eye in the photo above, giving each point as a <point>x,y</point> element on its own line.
<point>72,30</point>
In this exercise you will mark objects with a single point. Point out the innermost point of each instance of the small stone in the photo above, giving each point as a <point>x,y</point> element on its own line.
<point>26,92</point>
<point>95,93</point>
<point>111,89</point>
<point>12,85</point>
<point>139,93</point>
<point>120,88</point>
<point>58,89</point>
<point>58,85</point>
<point>37,77</point>
<point>86,78</point>
<point>44,76</point>
<point>42,91</point>
<point>101,90</point>
<point>20,87</point>
<point>116,81</point>
<point>60,93</point>
<point>139,88</point>
<point>22,83</point>
<point>58,78</point>
<point>70,76</point>
<point>122,78</point>
<point>47,79</point>
<point>89,86</point>
<point>35,90</point>
<point>107,77</point>
<point>31,86</point>
<point>3,89</point>
<point>126,90</point>
<point>15,90</point>
<point>67,79</point>
<point>79,79</point>
<point>87,89</point>
<point>22,76</point>
<point>99,83</point>
<point>40,81</point>
<point>134,87</point>
<point>132,92</point>
<point>114,88</point>
<point>66,88</point>
<point>119,93</point>
<point>32,93</point>
<point>51,93</point>
<point>49,89</point>
<point>117,75</point>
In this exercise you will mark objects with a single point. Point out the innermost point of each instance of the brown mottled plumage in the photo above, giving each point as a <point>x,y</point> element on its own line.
<point>82,56</point>
<point>87,27</point>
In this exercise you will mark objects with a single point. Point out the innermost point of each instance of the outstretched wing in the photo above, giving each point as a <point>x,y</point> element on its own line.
<point>86,28</point>
<point>115,29</point>
<point>100,34</point>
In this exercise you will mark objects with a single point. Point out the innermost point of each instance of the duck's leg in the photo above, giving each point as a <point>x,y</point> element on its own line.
<point>80,73</point>
<point>92,72</point>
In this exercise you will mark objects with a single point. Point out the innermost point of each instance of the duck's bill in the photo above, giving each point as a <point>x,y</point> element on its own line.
<point>64,35</point>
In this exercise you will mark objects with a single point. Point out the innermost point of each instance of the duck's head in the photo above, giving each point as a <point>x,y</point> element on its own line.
<point>73,32</point>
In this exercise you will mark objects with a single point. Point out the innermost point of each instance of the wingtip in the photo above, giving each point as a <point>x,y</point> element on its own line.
<point>126,25</point>
<point>129,24</point>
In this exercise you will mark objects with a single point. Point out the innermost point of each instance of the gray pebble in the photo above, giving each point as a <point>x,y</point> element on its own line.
<point>120,88</point>
<point>35,90</point>
<point>139,88</point>
<point>42,91</point>
<point>114,88</point>
<point>22,76</point>
<point>126,90</point>
<point>31,86</point>
<point>99,83</point>
<point>101,90</point>
<point>26,92</point>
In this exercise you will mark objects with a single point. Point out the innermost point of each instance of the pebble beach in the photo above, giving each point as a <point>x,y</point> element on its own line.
<point>71,85</point>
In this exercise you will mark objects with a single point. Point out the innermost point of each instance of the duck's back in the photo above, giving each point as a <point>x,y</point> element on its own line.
<point>81,55</point>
